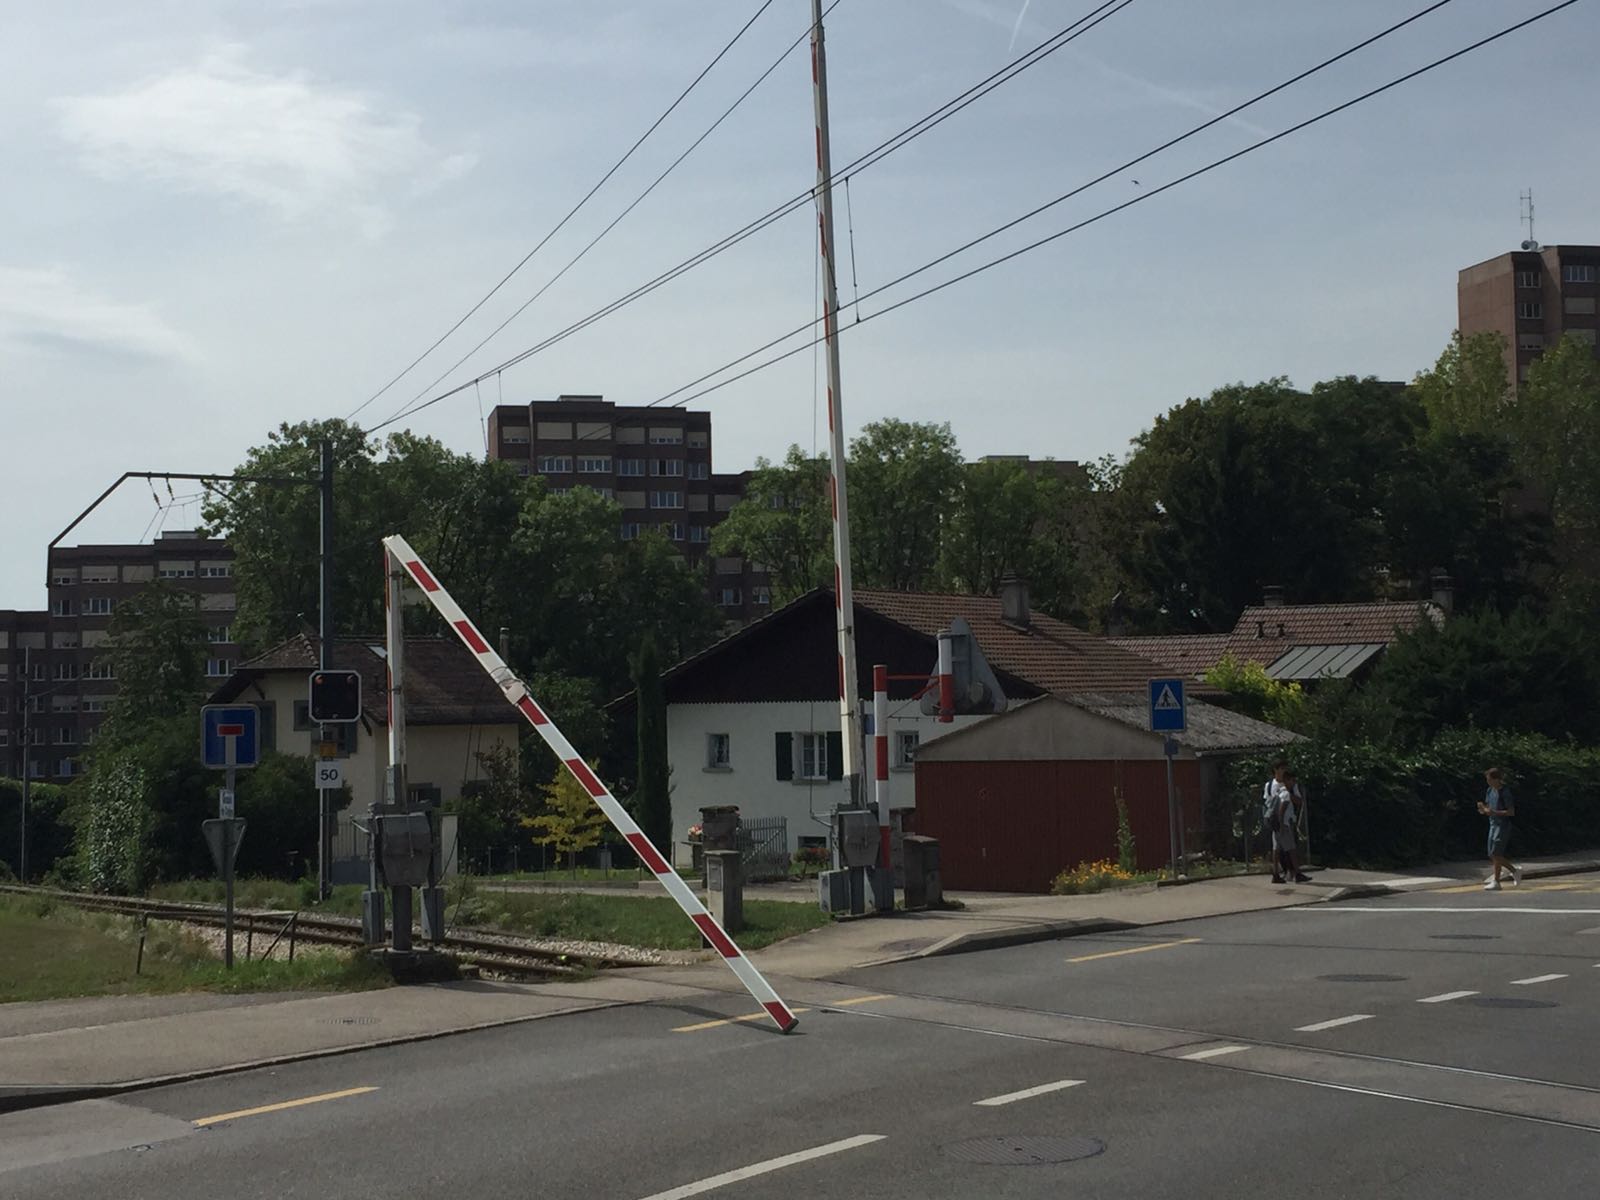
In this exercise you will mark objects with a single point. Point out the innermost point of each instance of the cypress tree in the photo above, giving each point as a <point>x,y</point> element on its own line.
<point>652,798</point>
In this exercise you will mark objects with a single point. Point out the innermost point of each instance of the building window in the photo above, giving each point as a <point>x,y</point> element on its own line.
<point>61,608</point>
<point>65,768</point>
<point>5,737</point>
<point>719,752</point>
<point>730,597</point>
<point>219,571</point>
<point>555,464</point>
<point>514,435</point>
<point>761,595</point>
<point>699,470</point>
<point>905,747</point>
<point>176,571</point>
<point>672,530</point>
<point>1586,336</point>
<point>666,499</point>
<point>219,635</point>
<point>670,467</point>
<point>66,671</point>
<point>1530,341</point>
<point>219,668</point>
<point>608,493</point>
<point>38,672</point>
<point>63,578</point>
<point>1530,310</point>
<point>1577,273</point>
<point>35,769</point>
<point>660,438</point>
<point>631,530</point>
<point>594,466</point>
<point>96,704</point>
<point>630,466</point>
<point>99,669</point>
<point>97,606</point>
<point>66,736</point>
<point>813,762</point>
<point>524,469</point>
<point>100,574</point>
<point>700,533</point>
<point>1527,279</point>
<point>1579,306</point>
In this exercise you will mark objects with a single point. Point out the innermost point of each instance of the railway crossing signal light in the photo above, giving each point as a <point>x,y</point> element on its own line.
<point>335,697</point>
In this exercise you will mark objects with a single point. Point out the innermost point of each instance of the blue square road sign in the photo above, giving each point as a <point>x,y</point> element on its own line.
<point>225,727</point>
<point>1167,712</point>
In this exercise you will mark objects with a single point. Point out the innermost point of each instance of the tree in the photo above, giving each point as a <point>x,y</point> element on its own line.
<point>156,649</point>
<point>1258,695</point>
<point>1556,426</point>
<point>903,479</point>
<point>784,524</point>
<point>1466,390</point>
<point>993,527</point>
<point>652,795</point>
<point>493,810</point>
<point>278,799</point>
<point>571,821</point>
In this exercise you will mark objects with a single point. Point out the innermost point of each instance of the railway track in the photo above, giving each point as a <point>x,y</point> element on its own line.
<point>501,954</point>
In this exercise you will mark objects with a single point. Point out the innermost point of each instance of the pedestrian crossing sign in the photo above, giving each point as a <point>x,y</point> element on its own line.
<point>1167,711</point>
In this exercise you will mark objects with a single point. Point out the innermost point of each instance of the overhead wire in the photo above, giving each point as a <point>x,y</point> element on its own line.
<point>878,153</point>
<point>576,208</point>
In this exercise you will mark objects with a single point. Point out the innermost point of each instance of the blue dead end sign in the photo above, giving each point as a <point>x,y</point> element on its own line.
<point>1167,713</point>
<point>230,735</point>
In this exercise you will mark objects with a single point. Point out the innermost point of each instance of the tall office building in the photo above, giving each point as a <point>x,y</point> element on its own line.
<point>1532,298</point>
<point>24,677</point>
<point>654,462</point>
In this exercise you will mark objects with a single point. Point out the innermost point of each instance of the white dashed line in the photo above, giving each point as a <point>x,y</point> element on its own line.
<point>1027,1093</point>
<point>763,1168</point>
<point>1214,1052</point>
<point>1443,996</point>
<point>1333,1024</point>
<point>1535,979</point>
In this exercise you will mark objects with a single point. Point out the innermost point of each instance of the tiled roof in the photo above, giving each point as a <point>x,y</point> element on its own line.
<point>1211,728</point>
<point>1191,654</point>
<point>1264,633</point>
<point>1049,654</point>
<point>443,683</point>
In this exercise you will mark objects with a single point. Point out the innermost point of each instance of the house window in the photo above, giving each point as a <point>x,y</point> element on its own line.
<point>219,668</point>
<point>813,756</point>
<point>719,752</point>
<point>555,464</point>
<point>1530,310</point>
<point>219,635</point>
<point>761,595</point>
<point>594,466</point>
<point>631,530</point>
<point>1577,273</point>
<point>666,499</point>
<point>66,736</point>
<point>217,571</point>
<point>671,467</point>
<point>699,470</point>
<point>809,756</point>
<point>630,466</point>
<point>730,596</point>
<point>1527,279</point>
<point>61,608</point>
<point>514,435</point>
<point>905,747</point>
<point>97,606</point>
<point>700,533</point>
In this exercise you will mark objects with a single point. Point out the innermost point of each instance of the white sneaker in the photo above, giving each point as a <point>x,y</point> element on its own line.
<point>1492,886</point>
<point>1516,876</point>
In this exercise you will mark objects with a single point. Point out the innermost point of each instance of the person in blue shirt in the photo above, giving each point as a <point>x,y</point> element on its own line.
<point>1499,806</point>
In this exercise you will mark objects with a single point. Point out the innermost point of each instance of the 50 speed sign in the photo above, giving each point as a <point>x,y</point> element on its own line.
<point>330,776</point>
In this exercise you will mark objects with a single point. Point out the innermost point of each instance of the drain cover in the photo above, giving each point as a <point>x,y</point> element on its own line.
<point>1509,1002</point>
<point>1464,937</point>
<point>1024,1151</point>
<point>1363,978</point>
<point>350,1020</point>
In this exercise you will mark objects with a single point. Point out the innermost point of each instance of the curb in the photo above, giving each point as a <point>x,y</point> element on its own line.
<point>17,1097</point>
<point>997,939</point>
<point>1369,891</point>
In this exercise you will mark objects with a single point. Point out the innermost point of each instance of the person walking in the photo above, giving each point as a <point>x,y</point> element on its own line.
<point>1269,809</point>
<point>1500,807</point>
<point>1288,815</point>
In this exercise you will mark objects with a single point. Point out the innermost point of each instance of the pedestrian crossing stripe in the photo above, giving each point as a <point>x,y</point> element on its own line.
<point>1166,701</point>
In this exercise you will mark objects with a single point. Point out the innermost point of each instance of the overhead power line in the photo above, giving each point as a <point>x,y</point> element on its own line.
<point>804,199</point>
<point>615,167</point>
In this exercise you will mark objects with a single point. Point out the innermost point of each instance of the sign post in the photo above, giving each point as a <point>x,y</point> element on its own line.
<point>1169,715</point>
<point>230,738</point>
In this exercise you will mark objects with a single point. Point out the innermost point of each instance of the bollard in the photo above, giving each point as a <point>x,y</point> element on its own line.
<point>725,889</point>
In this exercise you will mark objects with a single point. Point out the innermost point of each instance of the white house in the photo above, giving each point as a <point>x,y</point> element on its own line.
<point>753,720</point>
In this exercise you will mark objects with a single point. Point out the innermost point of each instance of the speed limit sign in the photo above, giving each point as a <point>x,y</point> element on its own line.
<point>330,776</point>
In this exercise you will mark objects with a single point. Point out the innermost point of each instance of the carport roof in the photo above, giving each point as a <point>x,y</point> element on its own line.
<point>1212,729</point>
<point>1324,662</point>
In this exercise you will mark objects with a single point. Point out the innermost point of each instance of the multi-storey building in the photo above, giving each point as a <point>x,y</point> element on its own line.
<point>654,462</point>
<point>87,584</point>
<point>1532,298</point>
<point>24,680</point>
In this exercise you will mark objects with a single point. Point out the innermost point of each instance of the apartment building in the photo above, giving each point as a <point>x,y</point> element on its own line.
<point>654,462</point>
<point>1532,298</point>
<point>75,688</point>
<point>24,677</point>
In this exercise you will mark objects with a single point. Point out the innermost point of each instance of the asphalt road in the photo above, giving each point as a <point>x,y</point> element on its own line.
<point>1439,1044</point>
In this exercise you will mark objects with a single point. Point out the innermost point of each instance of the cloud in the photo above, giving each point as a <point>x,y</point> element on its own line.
<point>47,308</point>
<point>282,141</point>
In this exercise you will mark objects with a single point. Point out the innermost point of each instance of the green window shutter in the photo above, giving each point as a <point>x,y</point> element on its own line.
<point>835,755</point>
<point>783,745</point>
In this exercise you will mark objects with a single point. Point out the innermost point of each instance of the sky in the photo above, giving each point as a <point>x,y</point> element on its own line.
<point>220,216</point>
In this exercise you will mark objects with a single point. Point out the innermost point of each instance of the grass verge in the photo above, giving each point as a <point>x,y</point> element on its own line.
<point>654,921</point>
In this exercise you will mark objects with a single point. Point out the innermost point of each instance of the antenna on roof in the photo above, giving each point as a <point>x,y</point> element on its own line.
<point>1531,243</point>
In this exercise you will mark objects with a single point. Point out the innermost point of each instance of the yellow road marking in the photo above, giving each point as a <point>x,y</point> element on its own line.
<point>858,1000</point>
<point>1133,950</point>
<point>760,1016</point>
<point>267,1108</point>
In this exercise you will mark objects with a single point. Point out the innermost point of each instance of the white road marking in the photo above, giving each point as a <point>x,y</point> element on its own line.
<point>1214,1052</point>
<point>1027,1093</point>
<point>1443,996</point>
<point>1411,881</point>
<point>1535,979</point>
<point>1333,1024</point>
<point>1463,909</point>
<point>763,1168</point>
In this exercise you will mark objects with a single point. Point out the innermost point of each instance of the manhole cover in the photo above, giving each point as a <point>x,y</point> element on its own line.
<point>1509,1002</point>
<point>1023,1151</point>
<point>1464,937</point>
<point>1363,978</point>
<point>350,1020</point>
<point>906,947</point>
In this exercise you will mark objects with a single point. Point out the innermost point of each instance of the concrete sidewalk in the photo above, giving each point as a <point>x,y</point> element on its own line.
<point>58,1050</point>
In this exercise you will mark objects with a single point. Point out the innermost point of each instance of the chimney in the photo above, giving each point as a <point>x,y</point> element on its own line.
<point>1272,596</point>
<point>1444,590</point>
<point>1013,600</point>
<point>505,644</point>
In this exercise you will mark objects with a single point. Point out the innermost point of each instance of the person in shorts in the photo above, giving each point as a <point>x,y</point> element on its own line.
<point>1500,807</point>
<point>1286,797</point>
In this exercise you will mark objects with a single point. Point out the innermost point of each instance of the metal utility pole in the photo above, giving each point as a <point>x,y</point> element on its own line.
<point>844,596</point>
<point>27,775</point>
<point>395,786</point>
<point>325,659</point>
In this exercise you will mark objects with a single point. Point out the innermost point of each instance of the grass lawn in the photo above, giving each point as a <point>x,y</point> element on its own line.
<point>264,893</point>
<point>654,921</point>
<point>54,951</point>
<point>584,875</point>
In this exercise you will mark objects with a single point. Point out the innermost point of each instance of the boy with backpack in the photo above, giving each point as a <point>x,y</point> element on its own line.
<point>1499,807</point>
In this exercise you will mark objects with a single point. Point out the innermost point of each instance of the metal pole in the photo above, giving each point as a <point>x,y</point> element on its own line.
<point>1172,812</point>
<point>394,660</point>
<point>27,774</point>
<point>325,656</point>
<point>844,596</point>
<point>227,884</point>
<point>880,739</point>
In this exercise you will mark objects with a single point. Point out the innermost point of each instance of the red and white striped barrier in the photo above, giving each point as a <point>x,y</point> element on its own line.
<point>880,746</point>
<point>518,695</point>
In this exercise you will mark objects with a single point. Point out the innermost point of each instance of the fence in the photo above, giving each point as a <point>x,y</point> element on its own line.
<point>764,847</point>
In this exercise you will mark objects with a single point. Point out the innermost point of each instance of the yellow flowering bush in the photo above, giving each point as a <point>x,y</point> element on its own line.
<point>1089,877</point>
